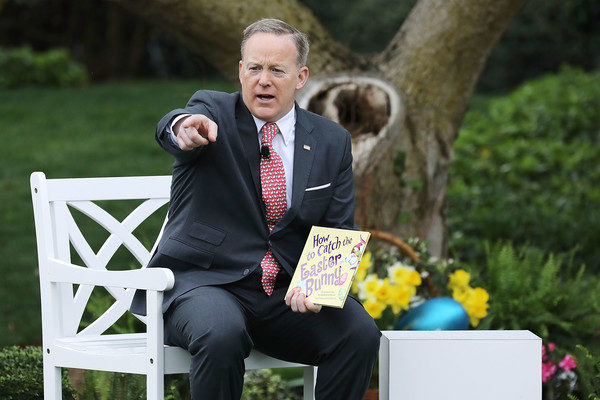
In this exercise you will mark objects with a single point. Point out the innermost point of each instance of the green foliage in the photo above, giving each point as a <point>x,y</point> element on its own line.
<point>21,374</point>
<point>101,385</point>
<point>265,385</point>
<point>542,36</point>
<point>531,291</point>
<point>23,66</point>
<point>345,20</point>
<point>527,170</point>
<point>588,369</point>
<point>73,132</point>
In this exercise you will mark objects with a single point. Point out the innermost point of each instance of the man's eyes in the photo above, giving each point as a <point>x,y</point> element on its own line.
<point>276,71</point>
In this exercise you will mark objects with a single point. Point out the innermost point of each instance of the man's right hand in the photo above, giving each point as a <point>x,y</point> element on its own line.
<point>195,131</point>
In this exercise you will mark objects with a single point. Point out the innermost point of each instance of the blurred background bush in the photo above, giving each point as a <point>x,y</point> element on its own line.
<point>527,169</point>
<point>22,66</point>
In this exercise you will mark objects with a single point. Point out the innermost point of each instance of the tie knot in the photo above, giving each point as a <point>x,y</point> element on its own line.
<point>269,131</point>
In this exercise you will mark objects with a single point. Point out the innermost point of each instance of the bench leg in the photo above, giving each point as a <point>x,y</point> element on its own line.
<point>52,382</point>
<point>309,383</point>
<point>155,378</point>
<point>155,386</point>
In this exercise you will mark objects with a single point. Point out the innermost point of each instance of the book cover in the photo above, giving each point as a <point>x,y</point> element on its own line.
<point>328,264</point>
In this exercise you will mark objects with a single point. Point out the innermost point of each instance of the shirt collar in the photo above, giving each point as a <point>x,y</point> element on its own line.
<point>286,125</point>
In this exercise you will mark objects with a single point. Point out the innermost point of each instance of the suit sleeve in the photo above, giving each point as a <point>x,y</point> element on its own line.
<point>199,103</point>
<point>340,212</point>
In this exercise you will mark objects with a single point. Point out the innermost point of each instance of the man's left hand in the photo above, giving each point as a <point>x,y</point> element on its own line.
<point>299,303</point>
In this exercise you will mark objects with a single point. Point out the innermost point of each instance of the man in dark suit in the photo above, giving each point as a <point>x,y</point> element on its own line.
<point>252,173</point>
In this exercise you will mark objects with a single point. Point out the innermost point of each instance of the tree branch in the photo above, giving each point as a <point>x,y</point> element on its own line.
<point>212,29</point>
<point>436,57</point>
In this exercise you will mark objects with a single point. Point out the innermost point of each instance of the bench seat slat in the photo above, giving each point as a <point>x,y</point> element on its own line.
<point>177,360</point>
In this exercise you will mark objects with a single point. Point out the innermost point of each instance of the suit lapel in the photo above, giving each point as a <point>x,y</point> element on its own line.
<point>304,150</point>
<point>247,129</point>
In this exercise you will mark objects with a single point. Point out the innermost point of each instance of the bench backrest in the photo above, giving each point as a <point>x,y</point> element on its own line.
<point>57,230</point>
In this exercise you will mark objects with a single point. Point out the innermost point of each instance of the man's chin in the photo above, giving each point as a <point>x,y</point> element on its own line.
<point>265,114</point>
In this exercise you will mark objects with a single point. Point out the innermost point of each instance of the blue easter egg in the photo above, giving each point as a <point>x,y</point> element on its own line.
<point>441,313</point>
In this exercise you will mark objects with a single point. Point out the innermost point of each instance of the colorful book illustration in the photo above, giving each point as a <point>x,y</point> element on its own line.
<point>328,264</point>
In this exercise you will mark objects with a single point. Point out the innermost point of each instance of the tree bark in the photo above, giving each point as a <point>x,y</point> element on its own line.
<point>213,29</point>
<point>435,60</point>
<point>405,110</point>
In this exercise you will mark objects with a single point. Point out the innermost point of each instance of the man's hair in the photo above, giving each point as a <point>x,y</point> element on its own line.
<point>278,27</point>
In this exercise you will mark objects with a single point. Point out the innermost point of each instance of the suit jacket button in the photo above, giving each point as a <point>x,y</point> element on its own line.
<point>246,271</point>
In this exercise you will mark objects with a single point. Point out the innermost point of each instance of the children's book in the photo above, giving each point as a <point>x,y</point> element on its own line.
<point>328,263</point>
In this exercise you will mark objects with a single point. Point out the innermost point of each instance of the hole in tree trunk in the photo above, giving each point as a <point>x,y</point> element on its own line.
<point>363,109</point>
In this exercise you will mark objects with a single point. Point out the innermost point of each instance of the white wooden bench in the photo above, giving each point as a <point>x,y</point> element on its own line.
<point>64,344</point>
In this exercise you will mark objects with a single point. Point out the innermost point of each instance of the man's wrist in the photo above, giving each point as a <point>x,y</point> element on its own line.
<point>177,121</point>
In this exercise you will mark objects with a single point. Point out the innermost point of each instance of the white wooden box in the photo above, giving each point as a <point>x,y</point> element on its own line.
<point>460,365</point>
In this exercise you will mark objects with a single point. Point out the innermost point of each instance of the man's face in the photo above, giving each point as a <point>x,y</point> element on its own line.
<point>270,76</point>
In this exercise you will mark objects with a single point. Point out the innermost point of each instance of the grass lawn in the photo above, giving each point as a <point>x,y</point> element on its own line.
<point>102,130</point>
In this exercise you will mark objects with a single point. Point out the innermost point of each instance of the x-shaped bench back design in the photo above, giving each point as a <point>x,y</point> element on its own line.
<point>53,200</point>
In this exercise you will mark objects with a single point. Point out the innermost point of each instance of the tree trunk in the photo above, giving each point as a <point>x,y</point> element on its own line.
<point>435,60</point>
<point>403,110</point>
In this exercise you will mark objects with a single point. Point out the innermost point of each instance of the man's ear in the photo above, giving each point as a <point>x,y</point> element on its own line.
<point>302,77</point>
<point>240,71</point>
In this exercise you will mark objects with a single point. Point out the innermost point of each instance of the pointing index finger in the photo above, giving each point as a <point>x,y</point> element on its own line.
<point>208,129</point>
<point>212,131</point>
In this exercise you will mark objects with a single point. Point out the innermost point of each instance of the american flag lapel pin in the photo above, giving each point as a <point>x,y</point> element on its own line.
<point>306,147</point>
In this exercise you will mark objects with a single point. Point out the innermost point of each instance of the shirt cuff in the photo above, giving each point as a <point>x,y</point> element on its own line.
<point>170,128</point>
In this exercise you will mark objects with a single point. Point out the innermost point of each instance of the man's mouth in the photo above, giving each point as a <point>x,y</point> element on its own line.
<point>265,96</point>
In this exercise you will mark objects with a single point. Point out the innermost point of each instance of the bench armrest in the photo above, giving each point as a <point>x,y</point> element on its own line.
<point>145,279</point>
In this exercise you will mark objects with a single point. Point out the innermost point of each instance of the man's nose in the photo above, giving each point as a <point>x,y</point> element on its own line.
<point>264,78</point>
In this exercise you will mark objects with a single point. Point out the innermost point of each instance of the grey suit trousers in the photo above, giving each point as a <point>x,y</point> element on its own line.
<point>219,325</point>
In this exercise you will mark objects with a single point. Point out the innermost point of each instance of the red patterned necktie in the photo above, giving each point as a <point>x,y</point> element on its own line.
<point>272,179</point>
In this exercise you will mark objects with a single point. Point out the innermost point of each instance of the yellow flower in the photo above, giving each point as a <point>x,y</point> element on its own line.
<point>371,285</point>
<point>480,295</point>
<point>459,279</point>
<point>361,274</point>
<point>374,308</point>
<point>476,304</point>
<point>384,291</point>
<point>366,261</point>
<point>460,294</point>
<point>400,297</point>
<point>414,278</point>
<point>401,274</point>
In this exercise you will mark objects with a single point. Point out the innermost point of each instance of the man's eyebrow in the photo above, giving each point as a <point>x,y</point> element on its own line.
<point>278,66</point>
<point>253,63</point>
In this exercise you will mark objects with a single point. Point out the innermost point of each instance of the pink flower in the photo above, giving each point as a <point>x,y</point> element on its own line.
<point>544,357</point>
<point>548,369</point>
<point>567,363</point>
<point>551,347</point>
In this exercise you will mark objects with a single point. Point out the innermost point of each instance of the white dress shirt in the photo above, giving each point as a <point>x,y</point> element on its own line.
<point>282,143</point>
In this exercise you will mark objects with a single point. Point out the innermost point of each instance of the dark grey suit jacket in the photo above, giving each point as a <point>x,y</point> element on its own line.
<point>217,232</point>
